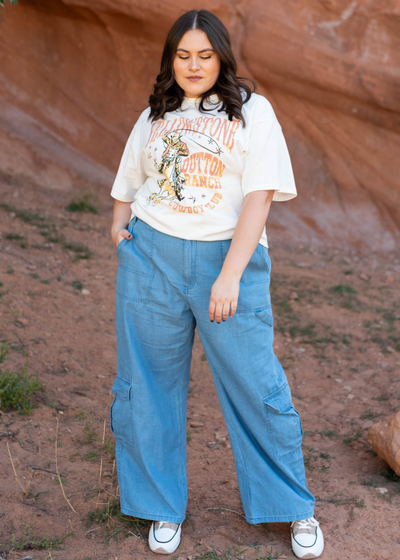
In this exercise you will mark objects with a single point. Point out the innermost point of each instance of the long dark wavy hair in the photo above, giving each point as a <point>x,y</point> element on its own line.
<point>168,95</point>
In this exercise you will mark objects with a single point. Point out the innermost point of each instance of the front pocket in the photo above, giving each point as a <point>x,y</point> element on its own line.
<point>136,269</point>
<point>255,281</point>
<point>125,239</point>
<point>121,421</point>
<point>265,314</point>
<point>284,421</point>
<point>120,244</point>
<point>257,270</point>
<point>133,285</point>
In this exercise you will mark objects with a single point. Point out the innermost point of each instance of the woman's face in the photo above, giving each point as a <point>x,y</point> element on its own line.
<point>195,57</point>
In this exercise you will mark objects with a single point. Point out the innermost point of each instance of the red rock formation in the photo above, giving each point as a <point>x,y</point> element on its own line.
<point>74,75</point>
<point>385,439</point>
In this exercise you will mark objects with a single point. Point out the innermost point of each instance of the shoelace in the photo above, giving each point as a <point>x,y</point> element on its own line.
<point>306,523</point>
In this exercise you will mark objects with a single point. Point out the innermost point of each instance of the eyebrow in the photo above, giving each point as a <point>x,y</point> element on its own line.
<point>204,50</point>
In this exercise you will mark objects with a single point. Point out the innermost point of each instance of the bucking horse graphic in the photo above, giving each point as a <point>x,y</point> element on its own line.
<point>171,185</point>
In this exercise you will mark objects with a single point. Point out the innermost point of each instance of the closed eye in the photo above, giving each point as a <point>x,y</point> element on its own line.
<point>202,57</point>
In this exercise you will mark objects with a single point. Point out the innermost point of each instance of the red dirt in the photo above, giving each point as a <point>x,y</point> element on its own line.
<point>344,373</point>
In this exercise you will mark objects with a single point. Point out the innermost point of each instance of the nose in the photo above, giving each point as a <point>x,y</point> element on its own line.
<point>194,65</point>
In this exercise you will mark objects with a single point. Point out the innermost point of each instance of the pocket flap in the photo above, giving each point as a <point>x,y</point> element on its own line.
<point>122,388</point>
<point>265,314</point>
<point>280,400</point>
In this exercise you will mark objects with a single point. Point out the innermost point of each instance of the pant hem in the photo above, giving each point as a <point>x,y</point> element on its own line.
<point>152,516</point>
<point>279,518</point>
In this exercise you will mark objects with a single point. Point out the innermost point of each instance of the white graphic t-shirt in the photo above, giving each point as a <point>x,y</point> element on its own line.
<point>188,173</point>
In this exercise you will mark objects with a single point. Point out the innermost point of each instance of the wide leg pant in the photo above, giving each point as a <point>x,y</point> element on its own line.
<point>163,286</point>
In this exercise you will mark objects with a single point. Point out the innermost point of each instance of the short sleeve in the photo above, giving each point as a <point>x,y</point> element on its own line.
<point>128,179</point>
<point>267,164</point>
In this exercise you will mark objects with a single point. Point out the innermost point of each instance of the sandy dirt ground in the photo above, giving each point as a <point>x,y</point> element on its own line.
<point>337,335</point>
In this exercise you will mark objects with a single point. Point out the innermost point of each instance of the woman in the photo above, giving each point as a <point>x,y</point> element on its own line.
<point>193,191</point>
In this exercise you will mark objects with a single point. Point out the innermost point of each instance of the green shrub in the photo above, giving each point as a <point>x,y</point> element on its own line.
<point>17,387</point>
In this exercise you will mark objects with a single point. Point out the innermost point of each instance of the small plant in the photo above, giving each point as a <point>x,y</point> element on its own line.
<point>91,456</point>
<point>82,415</point>
<point>17,388</point>
<point>14,236</point>
<point>35,495</point>
<point>110,515</point>
<point>106,513</point>
<point>340,501</point>
<point>382,397</point>
<point>34,542</point>
<point>354,436</point>
<point>82,251</point>
<point>349,302</point>
<point>110,447</point>
<point>389,474</point>
<point>315,458</point>
<point>343,289</point>
<point>85,202</point>
<point>369,415</point>
<point>25,215</point>
<point>90,433</point>
<point>49,231</point>
<point>325,433</point>
<point>77,284</point>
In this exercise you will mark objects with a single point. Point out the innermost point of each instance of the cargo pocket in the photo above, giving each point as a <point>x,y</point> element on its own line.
<point>284,421</point>
<point>121,421</point>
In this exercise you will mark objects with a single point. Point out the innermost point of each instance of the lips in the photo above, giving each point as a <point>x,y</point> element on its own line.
<point>195,78</point>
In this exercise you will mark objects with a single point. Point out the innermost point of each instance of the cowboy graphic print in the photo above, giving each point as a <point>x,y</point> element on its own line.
<point>170,166</point>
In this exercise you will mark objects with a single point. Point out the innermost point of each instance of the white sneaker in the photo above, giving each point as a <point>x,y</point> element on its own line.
<point>164,536</point>
<point>307,538</point>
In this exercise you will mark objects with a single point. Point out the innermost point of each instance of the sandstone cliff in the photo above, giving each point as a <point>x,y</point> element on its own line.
<point>74,76</point>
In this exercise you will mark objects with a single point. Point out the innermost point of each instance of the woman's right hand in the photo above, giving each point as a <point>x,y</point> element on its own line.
<point>120,222</point>
<point>118,236</point>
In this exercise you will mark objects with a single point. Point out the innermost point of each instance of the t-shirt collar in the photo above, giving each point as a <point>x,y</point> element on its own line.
<point>194,102</point>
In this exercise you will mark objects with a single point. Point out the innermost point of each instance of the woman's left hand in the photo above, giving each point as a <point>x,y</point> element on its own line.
<point>224,295</point>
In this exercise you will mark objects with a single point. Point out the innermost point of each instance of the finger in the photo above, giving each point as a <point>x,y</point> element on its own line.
<point>126,234</point>
<point>218,312</point>
<point>233,309</point>
<point>211,311</point>
<point>225,312</point>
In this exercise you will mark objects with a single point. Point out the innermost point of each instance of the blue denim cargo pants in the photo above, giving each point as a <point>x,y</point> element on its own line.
<point>163,286</point>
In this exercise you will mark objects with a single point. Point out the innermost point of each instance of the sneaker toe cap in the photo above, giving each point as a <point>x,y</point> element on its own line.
<point>305,540</point>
